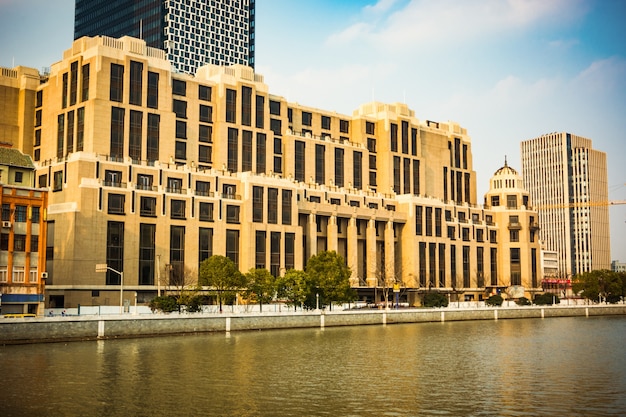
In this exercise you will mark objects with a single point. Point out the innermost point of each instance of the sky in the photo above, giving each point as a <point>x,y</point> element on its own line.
<point>506,70</point>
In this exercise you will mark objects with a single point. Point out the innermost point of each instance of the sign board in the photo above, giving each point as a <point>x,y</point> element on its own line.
<point>101,267</point>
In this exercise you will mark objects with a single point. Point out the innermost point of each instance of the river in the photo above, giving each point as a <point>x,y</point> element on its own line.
<point>527,367</point>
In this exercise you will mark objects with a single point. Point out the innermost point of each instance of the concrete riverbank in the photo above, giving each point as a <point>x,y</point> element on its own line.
<point>74,328</point>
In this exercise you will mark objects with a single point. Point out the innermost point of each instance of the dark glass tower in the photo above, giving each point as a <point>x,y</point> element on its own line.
<point>192,32</point>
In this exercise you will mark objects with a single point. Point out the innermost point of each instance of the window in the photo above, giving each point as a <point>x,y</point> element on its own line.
<point>153,137</point>
<point>246,151</point>
<point>147,234</point>
<point>206,212</point>
<point>406,176</point>
<point>394,137</point>
<point>466,267</point>
<point>204,154</point>
<point>233,149</point>
<point>516,267</point>
<point>370,128</point>
<point>115,251</point>
<point>112,178</point>
<point>416,177</point>
<point>344,126</point>
<point>339,167</point>
<point>178,209</point>
<point>177,255</point>
<point>511,201</point>
<point>116,149</point>
<point>70,132</point>
<point>257,204</point>
<point>18,177</point>
<point>181,129</point>
<point>514,235</point>
<point>306,118</point>
<point>144,182</point>
<point>60,135</point>
<point>136,77</point>
<point>205,134</point>
<point>134,146</point>
<point>204,92</point>
<point>232,245</point>
<point>246,106</point>
<point>396,174</point>
<point>180,108</point>
<point>174,185</point>
<point>206,113</point>
<point>34,216</point>
<point>153,90</point>
<point>405,137</point>
<point>276,127</point>
<point>57,181</point>
<point>147,206</point>
<point>232,214</point>
<point>494,265</point>
<point>205,244</point>
<point>418,220</point>
<point>299,161</point>
<point>325,123</point>
<point>495,200</point>
<point>493,236</point>
<point>85,83</point>
<point>231,105</point>
<point>275,107</point>
<point>117,83</point>
<point>203,188</point>
<point>286,200</point>
<point>18,274</point>
<point>260,153</point>
<point>116,204</point>
<point>371,145</point>
<point>80,129</point>
<point>320,166</point>
<point>180,151</point>
<point>260,112</point>
<point>272,205</point>
<point>259,257</point>
<point>64,92</point>
<point>465,234</point>
<point>179,87</point>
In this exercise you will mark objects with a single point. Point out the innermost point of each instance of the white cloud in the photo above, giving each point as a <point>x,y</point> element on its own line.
<point>380,7</point>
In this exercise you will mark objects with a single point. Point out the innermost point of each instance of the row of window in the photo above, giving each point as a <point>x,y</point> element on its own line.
<point>20,213</point>
<point>18,275</point>
<point>19,243</point>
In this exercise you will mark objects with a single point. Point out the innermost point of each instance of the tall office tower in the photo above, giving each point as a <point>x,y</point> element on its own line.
<point>191,32</point>
<point>567,180</point>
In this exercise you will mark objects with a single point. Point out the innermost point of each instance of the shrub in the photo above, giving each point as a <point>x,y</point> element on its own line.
<point>546,299</point>
<point>165,303</point>
<point>494,301</point>
<point>435,299</point>
<point>523,302</point>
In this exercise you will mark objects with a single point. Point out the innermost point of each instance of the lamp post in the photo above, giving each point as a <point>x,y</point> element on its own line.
<point>104,268</point>
<point>317,301</point>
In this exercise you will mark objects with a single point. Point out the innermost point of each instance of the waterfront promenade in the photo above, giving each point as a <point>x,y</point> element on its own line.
<point>129,325</point>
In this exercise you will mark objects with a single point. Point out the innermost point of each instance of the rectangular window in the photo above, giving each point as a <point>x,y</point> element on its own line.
<point>180,108</point>
<point>152,147</point>
<point>73,82</point>
<point>205,244</point>
<point>275,253</point>
<point>232,246</point>
<point>320,167</point>
<point>257,204</point>
<point>116,83</point>
<point>480,267</point>
<point>204,154</point>
<point>246,106</point>
<point>307,118</point>
<point>272,205</point>
<point>181,129</point>
<point>339,167</point>
<point>370,128</point>
<point>494,266</point>
<point>418,220</point>
<point>422,264</point>
<point>153,90</point>
<point>204,92</point>
<point>325,122</point>
<point>275,107</point>
<point>134,146</point>
<point>117,133</point>
<point>405,137</point>
<point>57,183</point>
<point>432,264</point>
<point>115,252</point>
<point>116,204</point>
<point>259,257</point>
<point>233,148</point>
<point>290,244</point>
<point>453,266</point>
<point>416,177</point>
<point>396,174</point>
<point>299,161</point>
<point>232,214</point>
<point>177,255</point>
<point>516,267</point>
<point>60,135</point>
<point>406,176</point>
<point>394,137</point>
<point>466,267</point>
<point>70,132</point>
<point>80,129</point>
<point>231,105</point>
<point>136,79</point>
<point>286,200</point>
<point>203,188</point>
<point>180,151</point>
<point>357,170</point>
<point>85,83</point>
<point>64,91</point>
<point>206,113</point>
<point>177,209</point>
<point>147,233</point>
<point>344,126</point>
<point>276,127</point>
<point>206,212</point>
<point>414,142</point>
<point>205,133</point>
<point>437,221</point>
<point>429,221</point>
<point>260,153</point>
<point>260,112</point>
<point>179,87</point>
<point>147,206</point>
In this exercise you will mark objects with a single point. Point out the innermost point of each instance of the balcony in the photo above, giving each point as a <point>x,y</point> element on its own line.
<point>515,226</point>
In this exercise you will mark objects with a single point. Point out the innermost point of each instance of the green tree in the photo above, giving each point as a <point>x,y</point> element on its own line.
<point>594,285</point>
<point>222,275</point>
<point>261,286</point>
<point>293,287</point>
<point>546,299</point>
<point>330,278</point>
<point>495,300</point>
<point>434,299</point>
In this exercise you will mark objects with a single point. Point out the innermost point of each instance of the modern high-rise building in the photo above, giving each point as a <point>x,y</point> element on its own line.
<point>151,172</point>
<point>567,180</point>
<point>191,32</point>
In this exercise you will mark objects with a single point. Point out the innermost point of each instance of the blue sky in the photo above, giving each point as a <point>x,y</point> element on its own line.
<point>505,70</point>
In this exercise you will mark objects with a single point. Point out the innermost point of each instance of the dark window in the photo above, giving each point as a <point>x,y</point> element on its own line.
<point>416,177</point>
<point>437,221</point>
<point>179,87</point>
<point>153,90</point>
<point>494,265</point>
<point>344,126</point>
<point>116,204</point>
<point>405,137</point>
<point>147,234</point>
<point>203,188</point>
<point>246,106</point>
<point>516,267</point>
<point>206,113</point>
<point>205,244</point>
<point>429,221</point>
<point>357,170</point>
<point>406,175</point>
<point>85,83</point>
<point>232,246</point>
<point>394,137</point>
<point>136,78</point>
<point>233,149</point>
<point>177,209</point>
<point>205,133</point>
<point>370,128</point>
<point>246,151</point>
<point>511,201</point>
<point>115,252</point>
<point>466,267</point>
<point>148,206</point>
<point>276,127</point>
<point>177,255</point>
<point>260,112</point>
<point>117,83</point>
<point>134,146</point>
<point>272,205</point>
<point>275,107</point>
<point>306,118</point>
<point>80,129</point>
<point>231,105</point>
<point>257,204</point>
<point>260,244</point>
<point>232,214</point>
<point>418,220</point>
<point>325,122</point>
<point>180,108</point>
<point>299,161</point>
<point>180,152</point>
<point>57,183</point>
<point>396,174</point>
<point>260,153</point>
<point>117,133</point>
<point>64,91</point>
<point>286,200</point>
<point>181,129</point>
<point>204,154</point>
<point>204,92</point>
<point>339,167</point>
<point>414,142</point>
<point>70,132</point>
<point>206,212</point>
<point>152,150</point>
<point>61,135</point>
<point>480,267</point>
<point>320,167</point>
<point>371,145</point>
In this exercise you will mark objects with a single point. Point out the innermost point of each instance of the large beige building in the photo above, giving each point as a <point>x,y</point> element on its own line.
<point>567,180</point>
<point>152,171</point>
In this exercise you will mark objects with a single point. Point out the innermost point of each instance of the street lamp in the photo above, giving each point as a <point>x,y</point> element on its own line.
<point>317,301</point>
<point>104,268</point>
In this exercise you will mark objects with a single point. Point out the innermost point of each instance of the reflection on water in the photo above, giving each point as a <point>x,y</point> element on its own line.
<point>562,366</point>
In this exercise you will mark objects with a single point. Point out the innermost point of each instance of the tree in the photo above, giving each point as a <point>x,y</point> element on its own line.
<point>546,299</point>
<point>261,286</point>
<point>330,278</point>
<point>222,275</point>
<point>293,287</point>
<point>495,300</point>
<point>434,299</point>
<point>598,284</point>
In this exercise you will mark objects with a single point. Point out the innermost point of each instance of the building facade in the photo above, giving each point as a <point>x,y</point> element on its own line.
<point>23,235</point>
<point>191,32</point>
<point>567,180</point>
<point>152,171</point>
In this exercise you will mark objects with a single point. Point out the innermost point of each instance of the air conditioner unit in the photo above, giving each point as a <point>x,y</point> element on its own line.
<point>6,224</point>
<point>44,275</point>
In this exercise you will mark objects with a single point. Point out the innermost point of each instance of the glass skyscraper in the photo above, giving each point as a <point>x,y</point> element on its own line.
<point>192,32</point>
